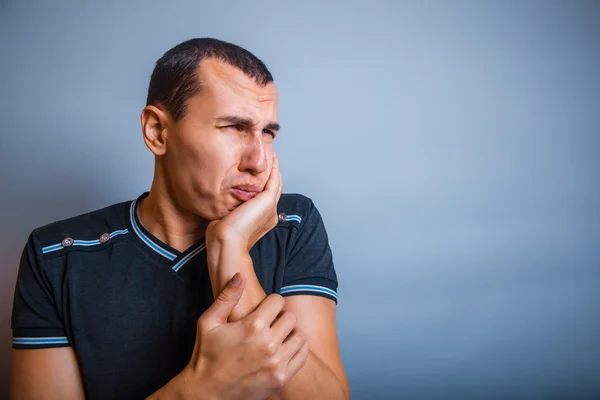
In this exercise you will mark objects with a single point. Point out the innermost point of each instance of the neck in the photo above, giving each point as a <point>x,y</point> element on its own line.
<point>166,219</point>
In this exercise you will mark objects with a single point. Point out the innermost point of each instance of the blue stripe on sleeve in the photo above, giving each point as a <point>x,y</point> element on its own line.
<point>35,341</point>
<point>308,288</point>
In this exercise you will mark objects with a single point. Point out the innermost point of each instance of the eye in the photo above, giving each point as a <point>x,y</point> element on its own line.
<point>269,132</point>
<point>237,127</point>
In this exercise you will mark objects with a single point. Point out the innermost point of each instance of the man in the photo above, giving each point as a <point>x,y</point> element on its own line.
<point>178,294</point>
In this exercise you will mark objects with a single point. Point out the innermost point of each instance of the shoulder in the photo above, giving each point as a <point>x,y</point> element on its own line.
<point>85,230</point>
<point>294,209</point>
<point>294,201</point>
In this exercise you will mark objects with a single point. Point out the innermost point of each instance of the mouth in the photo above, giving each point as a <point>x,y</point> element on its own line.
<point>245,193</point>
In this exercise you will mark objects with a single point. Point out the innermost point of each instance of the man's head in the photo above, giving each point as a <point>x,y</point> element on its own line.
<point>210,119</point>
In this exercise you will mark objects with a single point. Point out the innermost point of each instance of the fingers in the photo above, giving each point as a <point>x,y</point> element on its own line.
<point>283,325</point>
<point>295,349</point>
<point>274,182</point>
<point>280,188</point>
<point>297,360</point>
<point>267,311</point>
<point>219,311</point>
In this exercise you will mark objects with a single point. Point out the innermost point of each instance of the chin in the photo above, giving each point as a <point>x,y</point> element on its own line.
<point>222,212</point>
<point>221,208</point>
<point>221,215</point>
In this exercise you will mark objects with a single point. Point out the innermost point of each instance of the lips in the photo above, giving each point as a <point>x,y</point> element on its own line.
<point>245,192</point>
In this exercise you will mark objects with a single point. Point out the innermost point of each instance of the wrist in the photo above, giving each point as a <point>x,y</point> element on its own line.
<point>225,258</point>
<point>220,237</point>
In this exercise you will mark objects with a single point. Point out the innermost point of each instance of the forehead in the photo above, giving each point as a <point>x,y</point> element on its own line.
<point>230,90</point>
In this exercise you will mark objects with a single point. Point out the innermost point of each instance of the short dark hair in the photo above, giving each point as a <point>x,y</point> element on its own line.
<point>175,76</point>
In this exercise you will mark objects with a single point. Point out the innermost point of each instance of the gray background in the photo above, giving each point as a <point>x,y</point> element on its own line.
<point>451,146</point>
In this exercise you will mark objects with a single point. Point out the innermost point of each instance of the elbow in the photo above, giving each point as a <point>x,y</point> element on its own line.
<point>346,392</point>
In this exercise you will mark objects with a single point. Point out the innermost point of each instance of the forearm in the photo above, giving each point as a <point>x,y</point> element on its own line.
<point>225,259</point>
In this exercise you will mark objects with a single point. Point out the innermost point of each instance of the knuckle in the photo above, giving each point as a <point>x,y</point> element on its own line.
<point>270,366</point>
<point>279,377</point>
<point>274,362</point>
<point>270,349</point>
<point>256,325</point>
<point>299,338</point>
<point>302,336</point>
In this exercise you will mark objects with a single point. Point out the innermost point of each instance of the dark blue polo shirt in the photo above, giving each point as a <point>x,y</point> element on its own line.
<point>128,303</point>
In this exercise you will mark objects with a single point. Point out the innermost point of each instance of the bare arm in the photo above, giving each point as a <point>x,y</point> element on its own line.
<point>45,374</point>
<point>322,376</point>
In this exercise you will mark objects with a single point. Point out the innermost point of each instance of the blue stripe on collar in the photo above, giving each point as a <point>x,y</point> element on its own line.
<point>188,257</point>
<point>165,253</point>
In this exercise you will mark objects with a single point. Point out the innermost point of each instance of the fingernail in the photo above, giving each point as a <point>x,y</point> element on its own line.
<point>237,279</point>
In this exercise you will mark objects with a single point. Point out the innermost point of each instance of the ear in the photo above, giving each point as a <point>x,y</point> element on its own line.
<point>154,127</point>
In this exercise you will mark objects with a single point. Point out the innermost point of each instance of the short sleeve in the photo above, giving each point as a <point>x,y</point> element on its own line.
<point>310,270</point>
<point>35,319</point>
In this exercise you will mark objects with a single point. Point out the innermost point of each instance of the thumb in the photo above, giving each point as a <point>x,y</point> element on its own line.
<point>219,311</point>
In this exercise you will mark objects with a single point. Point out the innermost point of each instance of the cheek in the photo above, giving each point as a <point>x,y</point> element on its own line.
<point>189,168</point>
<point>269,154</point>
<point>221,166</point>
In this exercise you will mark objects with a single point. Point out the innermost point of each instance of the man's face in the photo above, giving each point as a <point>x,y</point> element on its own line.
<point>222,148</point>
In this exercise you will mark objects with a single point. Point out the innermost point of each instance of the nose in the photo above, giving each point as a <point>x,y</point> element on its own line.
<point>254,155</point>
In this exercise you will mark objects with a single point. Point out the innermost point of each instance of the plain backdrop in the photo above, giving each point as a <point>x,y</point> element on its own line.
<point>452,148</point>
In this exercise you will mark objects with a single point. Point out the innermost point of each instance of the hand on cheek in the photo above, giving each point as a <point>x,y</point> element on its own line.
<point>253,219</point>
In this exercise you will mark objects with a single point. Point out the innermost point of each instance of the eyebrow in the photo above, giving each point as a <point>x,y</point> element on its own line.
<point>234,119</point>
